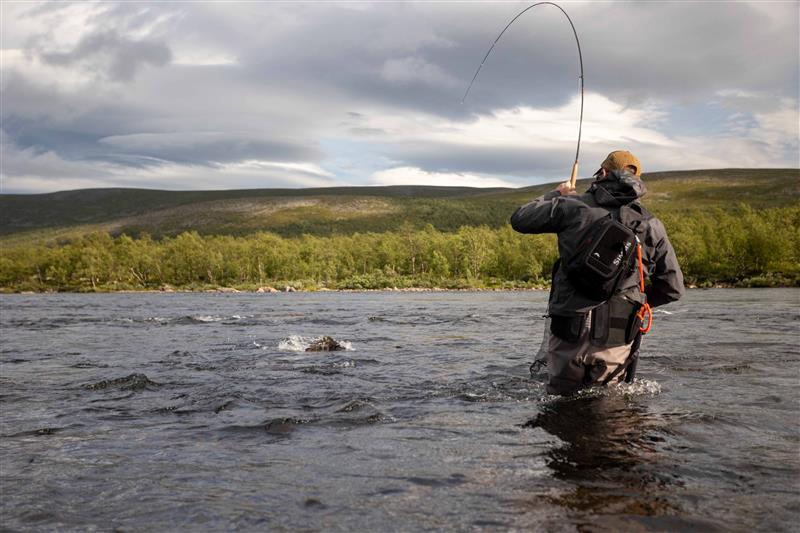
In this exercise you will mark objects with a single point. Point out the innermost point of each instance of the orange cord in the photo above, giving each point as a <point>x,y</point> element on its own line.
<point>645,311</point>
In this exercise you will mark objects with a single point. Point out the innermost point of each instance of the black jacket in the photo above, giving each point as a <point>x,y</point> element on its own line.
<point>571,216</point>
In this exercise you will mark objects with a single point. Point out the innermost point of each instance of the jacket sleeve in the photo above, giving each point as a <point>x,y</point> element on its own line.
<point>538,216</point>
<point>666,279</point>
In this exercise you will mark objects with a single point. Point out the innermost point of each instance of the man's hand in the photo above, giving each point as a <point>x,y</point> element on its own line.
<point>566,189</point>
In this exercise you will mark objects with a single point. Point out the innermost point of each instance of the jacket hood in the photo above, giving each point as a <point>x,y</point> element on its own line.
<point>617,188</point>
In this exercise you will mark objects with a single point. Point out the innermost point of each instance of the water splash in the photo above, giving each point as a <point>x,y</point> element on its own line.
<point>639,388</point>
<point>206,318</point>
<point>194,319</point>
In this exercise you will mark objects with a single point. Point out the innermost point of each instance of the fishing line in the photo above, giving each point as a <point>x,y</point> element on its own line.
<point>580,60</point>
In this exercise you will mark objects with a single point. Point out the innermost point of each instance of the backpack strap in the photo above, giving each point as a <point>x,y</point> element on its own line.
<point>634,215</point>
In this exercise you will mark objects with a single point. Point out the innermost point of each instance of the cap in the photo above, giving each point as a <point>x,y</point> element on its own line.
<point>620,159</point>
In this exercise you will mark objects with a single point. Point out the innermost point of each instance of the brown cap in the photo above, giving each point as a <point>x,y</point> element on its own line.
<point>620,159</point>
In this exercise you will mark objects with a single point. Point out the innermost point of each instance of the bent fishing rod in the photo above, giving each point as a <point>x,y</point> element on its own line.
<point>574,175</point>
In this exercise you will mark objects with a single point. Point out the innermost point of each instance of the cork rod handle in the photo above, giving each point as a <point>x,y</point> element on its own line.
<point>574,177</point>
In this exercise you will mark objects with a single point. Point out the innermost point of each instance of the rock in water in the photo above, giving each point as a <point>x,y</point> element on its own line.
<point>324,344</point>
<point>132,382</point>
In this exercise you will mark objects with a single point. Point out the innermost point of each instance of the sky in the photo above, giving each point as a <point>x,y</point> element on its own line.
<point>232,95</point>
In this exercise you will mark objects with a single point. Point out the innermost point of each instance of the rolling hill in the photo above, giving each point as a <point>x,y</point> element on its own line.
<point>347,210</point>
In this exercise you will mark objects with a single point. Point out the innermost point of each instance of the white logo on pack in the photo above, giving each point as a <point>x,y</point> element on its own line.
<point>627,246</point>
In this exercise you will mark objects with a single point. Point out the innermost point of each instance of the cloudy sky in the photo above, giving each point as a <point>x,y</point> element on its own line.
<point>223,95</point>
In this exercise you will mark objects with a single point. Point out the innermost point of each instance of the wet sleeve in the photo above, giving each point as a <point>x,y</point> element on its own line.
<point>666,279</point>
<point>538,216</point>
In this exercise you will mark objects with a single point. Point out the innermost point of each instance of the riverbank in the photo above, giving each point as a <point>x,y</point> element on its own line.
<point>759,282</point>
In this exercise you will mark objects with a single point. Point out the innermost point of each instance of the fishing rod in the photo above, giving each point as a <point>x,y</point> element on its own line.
<point>574,175</point>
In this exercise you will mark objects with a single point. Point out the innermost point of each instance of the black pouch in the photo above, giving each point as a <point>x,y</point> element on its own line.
<point>605,256</point>
<point>567,328</point>
<point>614,323</point>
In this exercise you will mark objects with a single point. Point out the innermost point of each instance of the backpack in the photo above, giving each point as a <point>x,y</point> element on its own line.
<point>606,254</point>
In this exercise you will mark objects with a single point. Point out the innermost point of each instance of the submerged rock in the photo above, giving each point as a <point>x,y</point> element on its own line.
<point>325,344</point>
<point>131,382</point>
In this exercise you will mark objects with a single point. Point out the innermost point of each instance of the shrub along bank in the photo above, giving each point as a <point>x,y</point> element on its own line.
<point>741,247</point>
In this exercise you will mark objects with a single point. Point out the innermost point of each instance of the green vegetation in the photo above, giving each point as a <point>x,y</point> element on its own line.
<point>472,256</point>
<point>728,227</point>
<point>741,247</point>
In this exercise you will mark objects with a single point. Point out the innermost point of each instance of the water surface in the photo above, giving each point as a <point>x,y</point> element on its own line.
<point>143,412</point>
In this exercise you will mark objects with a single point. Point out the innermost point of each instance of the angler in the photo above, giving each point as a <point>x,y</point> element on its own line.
<point>608,244</point>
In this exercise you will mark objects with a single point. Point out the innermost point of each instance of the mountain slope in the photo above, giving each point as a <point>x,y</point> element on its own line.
<point>344,210</point>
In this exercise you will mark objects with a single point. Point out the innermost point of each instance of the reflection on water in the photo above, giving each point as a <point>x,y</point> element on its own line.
<point>603,435</point>
<point>609,456</point>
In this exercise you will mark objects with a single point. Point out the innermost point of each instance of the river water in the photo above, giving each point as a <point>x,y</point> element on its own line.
<point>202,412</point>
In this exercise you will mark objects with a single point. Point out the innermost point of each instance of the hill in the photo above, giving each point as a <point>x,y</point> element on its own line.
<point>346,210</point>
<point>733,227</point>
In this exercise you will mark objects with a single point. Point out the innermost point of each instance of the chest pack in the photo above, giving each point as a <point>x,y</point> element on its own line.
<point>606,254</point>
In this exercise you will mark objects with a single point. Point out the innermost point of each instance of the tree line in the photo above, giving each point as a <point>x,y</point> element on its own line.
<point>742,246</point>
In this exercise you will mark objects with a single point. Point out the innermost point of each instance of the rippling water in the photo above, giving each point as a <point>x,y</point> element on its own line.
<point>202,412</point>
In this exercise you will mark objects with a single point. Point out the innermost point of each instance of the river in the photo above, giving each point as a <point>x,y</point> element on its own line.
<point>202,412</point>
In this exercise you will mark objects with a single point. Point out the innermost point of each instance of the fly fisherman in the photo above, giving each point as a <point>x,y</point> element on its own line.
<point>597,313</point>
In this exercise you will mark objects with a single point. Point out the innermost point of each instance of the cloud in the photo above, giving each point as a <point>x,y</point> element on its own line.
<point>307,170</point>
<point>204,59</point>
<point>532,145</point>
<point>413,69</point>
<point>417,176</point>
<point>169,91</point>
<point>520,142</point>
<point>204,147</point>
<point>112,42</point>
<point>776,129</point>
<point>116,56</point>
<point>770,138</point>
<point>35,171</point>
<point>29,163</point>
<point>28,171</point>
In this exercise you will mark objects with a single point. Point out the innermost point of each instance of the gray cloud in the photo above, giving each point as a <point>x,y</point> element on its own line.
<point>301,78</point>
<point>674,51</point>
<point>120,58</point>
<point>80,126</point>
<point>192,147</point>
<point>124,57</point>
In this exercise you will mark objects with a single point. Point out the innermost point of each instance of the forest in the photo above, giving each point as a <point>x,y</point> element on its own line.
<point>739,246</point>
